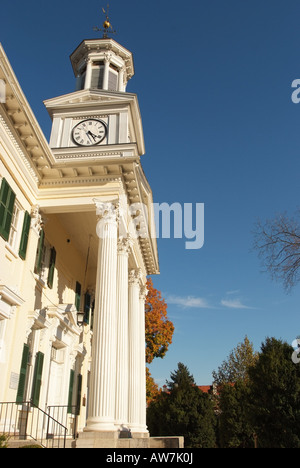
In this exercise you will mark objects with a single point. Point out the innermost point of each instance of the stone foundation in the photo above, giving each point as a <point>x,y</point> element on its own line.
<point>136,441</point>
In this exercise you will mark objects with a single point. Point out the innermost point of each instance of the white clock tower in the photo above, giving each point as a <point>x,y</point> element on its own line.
<point>97,142</point>
<point>99,118</point>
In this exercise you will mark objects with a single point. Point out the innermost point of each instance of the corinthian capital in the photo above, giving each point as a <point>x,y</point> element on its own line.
<point>124,245</point>
<point>143,293</point>
<point>134,276</point>
<point>107,211</point>
<point>36,219</point>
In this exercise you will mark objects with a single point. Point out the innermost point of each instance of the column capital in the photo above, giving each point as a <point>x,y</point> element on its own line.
<point>124,245</point>
<point>107,57</point>
<point>143,293</point>
<point>108,213</point>
<point>36,219</point>
<point>107,210</point>
<point>134,276</point>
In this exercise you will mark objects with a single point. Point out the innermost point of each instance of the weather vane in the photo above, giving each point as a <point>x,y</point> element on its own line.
<point>107,27</point>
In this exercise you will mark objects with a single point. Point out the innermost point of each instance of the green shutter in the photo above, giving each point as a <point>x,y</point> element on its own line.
<point>79,386</point>
<point>25,235</point>
<point>92,314</point>
<point>39,255</point>
<point>37,379</point>
<point>77,295</point>
<point>23,372</point>
<point>87,306</point>
<point>7,201</point>
<point>71,385</point>
<point>51,267</point>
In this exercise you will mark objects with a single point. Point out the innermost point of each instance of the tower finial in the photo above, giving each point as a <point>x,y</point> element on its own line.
<point>107,27</point>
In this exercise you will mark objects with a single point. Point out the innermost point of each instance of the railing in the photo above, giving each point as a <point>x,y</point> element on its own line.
<point>66,415</point>
<point>24,420</point>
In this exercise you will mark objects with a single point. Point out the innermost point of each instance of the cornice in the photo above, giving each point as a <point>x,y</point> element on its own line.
<point>96,153</point>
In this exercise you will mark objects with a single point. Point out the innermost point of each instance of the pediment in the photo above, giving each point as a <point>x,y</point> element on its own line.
<point>66,313</point>
<point>89,97</point>
<point>69,311</point>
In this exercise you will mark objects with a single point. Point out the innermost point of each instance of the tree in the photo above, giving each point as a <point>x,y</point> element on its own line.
<point>274,399</point>
<point>152,390</point>
<point>235,428</point>
<point>184,410</point>
<point>278,244</point>
<point>237,364</point>
<point>180,377</point>
<point>159,330</point>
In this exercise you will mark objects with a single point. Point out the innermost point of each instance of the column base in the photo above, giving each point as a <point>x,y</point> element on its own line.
<point>139,429</point>
<point>101,426</point>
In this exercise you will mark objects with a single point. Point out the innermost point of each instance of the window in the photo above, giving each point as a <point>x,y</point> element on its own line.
<point>57,354</point>
<point>112,80</point>
<point>7,202</point>
<point>13,233</point>
<point>45,260</point>
<point>97,77</point>
<point>10,220</point>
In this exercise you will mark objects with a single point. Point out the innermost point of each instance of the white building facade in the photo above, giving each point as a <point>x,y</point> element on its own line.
<point>77,241</point>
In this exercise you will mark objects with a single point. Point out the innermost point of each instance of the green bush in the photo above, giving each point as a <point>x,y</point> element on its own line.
<point>4,441</point>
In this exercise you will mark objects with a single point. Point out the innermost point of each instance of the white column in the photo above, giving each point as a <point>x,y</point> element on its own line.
<point>121,416</point>
<point>134,344</point>
<point>88,74</point>
<point>106,71</point>
<point>103,366</point>
<point>142,362</point>
<point>121,79</point>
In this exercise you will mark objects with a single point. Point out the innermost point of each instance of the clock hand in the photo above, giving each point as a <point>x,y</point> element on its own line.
<point>92,135</point>
<point>87,133</point>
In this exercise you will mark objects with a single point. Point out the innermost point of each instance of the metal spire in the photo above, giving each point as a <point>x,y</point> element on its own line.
<point>107,27</point>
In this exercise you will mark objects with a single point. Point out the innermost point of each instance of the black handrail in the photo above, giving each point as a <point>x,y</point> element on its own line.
<point>63,413</point>
<point>24,420</point>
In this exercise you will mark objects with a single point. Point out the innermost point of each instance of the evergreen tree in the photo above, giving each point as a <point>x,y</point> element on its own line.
<point>184,410</point>
<point>275,396</point>
<point>235,429</point>
<point>180,377</point>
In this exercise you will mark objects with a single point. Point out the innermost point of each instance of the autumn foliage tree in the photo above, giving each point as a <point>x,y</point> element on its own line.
<point>159,332</point>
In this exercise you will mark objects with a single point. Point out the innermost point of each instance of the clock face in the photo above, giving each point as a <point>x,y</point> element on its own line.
<point>89,132</point>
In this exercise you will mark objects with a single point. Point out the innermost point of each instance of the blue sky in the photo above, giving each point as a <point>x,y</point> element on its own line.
<point>213,80</point>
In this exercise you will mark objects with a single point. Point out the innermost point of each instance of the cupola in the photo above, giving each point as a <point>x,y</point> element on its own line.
<point>102,64</point>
